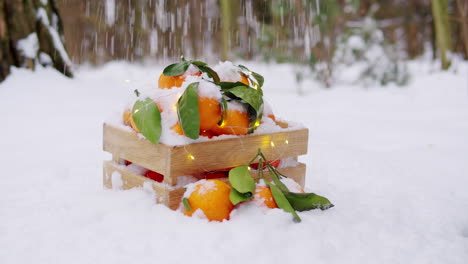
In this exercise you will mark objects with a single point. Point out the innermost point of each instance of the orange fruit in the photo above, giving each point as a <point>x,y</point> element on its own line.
<point>211,197</point>
<point>127,115</point>
<point>263,196</point>
<point>235,123</point>
<point>128,120</point>
<point>178,129</point>
<point>210,112</point>
<point>244,79</point>
<point>167,82</point>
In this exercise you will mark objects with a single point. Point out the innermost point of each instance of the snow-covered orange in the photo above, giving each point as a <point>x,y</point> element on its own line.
<point>168,82</point>
<point>212,198</point>
<point>264,197</point>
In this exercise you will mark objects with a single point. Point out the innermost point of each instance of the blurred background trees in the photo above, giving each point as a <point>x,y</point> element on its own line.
<point>324,35</point>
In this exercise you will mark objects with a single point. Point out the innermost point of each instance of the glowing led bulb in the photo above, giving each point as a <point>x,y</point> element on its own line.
<point>272,144</point>
<point>286,141</point>
<point>190,156</point>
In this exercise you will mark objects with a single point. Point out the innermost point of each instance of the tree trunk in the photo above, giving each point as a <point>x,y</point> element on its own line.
<point>5,57</point>
<point>226,29</point>
<point>462,9</point>
<point>31,32</point>
<point>442,29</point>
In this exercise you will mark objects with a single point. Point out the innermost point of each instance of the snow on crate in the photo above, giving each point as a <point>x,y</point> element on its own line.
<point>116,180</point>
<point>193,103</point>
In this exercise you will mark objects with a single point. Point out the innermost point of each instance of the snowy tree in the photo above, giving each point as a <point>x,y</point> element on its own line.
<point>31,33</point>
<point>375,60</point>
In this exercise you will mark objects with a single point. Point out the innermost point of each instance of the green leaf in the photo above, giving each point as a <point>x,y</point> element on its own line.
<point>229,85</point>
<point>249,95</point>
<point>243,67</point>
<point>275,175</point>
<point>198,63</point>
<point>276,180</point>
<point>281,200</point>
<point>241,180</point>
<point>237,197</point>
<point>176,68</point>
<point>210,72</point>
<point>254,117</point>
<point>187,110</point>
<point>259,78</point>
<point>147,119</point>
<point>186,204</point>
<point>224,110</point>
<point>308,201</point>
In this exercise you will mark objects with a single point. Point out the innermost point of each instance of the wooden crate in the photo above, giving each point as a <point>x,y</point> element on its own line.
<point>195,158</point>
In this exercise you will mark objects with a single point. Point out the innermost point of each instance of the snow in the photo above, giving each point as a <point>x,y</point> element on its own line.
<point>236,106</point>
<point>29,46</point>
<point>117,182</point>
<point>392,160</point>
<point>228,72</point>
<point>42,16</point>
<point>136,169</point>
<point>288,162</point>
<point>45,59</point>
<point>208,90</point>
<point>57,41</point>
<point>292,185</point>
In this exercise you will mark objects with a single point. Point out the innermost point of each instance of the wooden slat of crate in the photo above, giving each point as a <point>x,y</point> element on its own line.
<point>170,196</point>
<point>213,155</point>
<point>195,158</point>
<point>131,180</point>
<point>128,145</point>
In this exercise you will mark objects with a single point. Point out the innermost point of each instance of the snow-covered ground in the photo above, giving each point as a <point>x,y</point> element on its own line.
<point>393,160</point>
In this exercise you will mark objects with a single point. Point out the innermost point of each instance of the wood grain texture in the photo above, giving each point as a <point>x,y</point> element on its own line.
<point>168,195</point>
<point>173,161</point>
<point>214,155</point>
<point>129,146</point>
